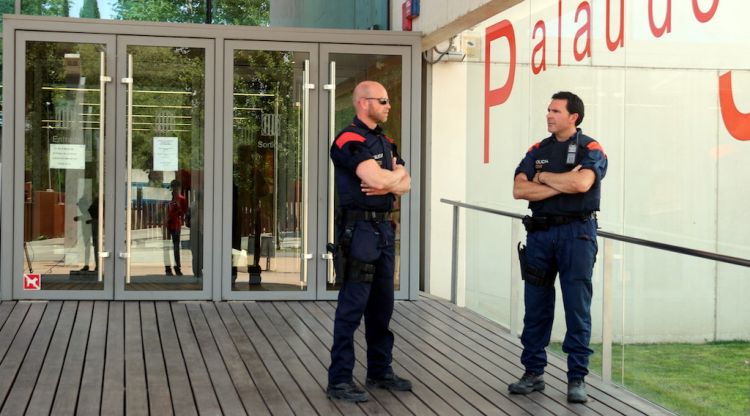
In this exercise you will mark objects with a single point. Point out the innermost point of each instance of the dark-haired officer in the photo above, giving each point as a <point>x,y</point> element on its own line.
<point>561,178</point>
<point>369,174</point>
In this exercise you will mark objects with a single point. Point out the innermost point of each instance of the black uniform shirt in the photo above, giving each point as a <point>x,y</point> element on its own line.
<point>550,155</point>
<point>355,144</point>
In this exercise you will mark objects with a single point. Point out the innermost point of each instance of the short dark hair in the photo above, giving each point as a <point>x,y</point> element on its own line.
<point>574,105</point>
<point>175,184</point>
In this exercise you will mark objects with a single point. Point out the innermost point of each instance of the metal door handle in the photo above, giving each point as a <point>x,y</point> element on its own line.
<point>326,256</point>
<point>103,254</point>
<point>125,255</point>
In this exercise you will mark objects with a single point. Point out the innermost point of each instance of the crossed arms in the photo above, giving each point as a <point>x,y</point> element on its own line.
<point>379,181</point>
<point>547,184</point>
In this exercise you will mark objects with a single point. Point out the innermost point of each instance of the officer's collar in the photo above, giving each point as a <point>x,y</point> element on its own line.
<point>553,139</point>
<point>359,123</point>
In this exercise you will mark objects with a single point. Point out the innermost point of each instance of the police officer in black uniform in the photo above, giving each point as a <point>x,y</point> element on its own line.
<point>561,178</point>
<point>369,174</point>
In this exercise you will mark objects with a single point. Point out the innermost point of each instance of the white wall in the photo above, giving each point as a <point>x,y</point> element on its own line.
<point>675,172</point>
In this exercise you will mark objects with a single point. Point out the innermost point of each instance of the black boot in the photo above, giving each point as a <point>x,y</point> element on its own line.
<point>528,383</point>
<point>177,271</point>
<point>348,392</point>
<point>577,391</point>
<point>390,382</point>
<point>168,271</point>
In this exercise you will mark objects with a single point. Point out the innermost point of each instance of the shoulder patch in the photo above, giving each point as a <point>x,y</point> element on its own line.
<point>347,137</point>
<point>534,146</point>
<point>596,146</point>
<point>389,139</point>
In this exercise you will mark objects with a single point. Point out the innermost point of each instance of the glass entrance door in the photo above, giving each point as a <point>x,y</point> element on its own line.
<point>342,68</point>
<point>66,228</point>
<point>161,193</point>
<point>269,91</point>
<point>114,155</point>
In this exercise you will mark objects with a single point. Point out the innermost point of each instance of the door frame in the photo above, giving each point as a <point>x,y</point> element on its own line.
<point>11,257</point>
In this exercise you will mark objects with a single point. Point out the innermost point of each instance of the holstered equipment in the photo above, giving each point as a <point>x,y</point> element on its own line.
<point>347,268</point>
<point>532,275</point>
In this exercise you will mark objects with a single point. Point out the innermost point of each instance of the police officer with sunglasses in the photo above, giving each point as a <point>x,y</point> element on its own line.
<point>369,175</point>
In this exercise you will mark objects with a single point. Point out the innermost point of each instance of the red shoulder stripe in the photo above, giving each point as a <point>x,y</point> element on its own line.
<point>389,139</point>
<point>534,146</point>
<point>348,137</point>
<point>596,146</point>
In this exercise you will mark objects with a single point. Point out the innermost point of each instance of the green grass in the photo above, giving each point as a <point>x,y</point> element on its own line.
<point>690,379</point>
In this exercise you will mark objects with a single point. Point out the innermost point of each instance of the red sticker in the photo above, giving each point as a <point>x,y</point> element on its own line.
<point>32,281</point>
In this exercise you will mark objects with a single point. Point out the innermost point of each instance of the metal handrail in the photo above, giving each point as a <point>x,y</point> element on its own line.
<point>607,280</point>
<point>619,237</point>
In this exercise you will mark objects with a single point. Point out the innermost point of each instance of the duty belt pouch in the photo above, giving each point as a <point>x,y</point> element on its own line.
<point>365,251</point>
<point>535,224</point>
<point>339,261</point>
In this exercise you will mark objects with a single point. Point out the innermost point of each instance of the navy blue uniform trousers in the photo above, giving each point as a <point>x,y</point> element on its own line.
<point>571,249</point>
<point>374,300</point>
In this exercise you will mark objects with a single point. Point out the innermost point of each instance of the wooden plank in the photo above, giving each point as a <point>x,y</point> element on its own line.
<point>556,377</point>
<point>159,398</point>
<point>405,366</point>
<point>136,396</point>
<point>480,370</point>
<point>113,385</point>
<point>314,390</point>
<point>288,386</point>
<point>272,396</point>
<point>203,390</point>
<point>5,308</point>
<point>318,349</point>
<point>462,399</point>
<point>476,339</point>
<point>11,326</point>
<point>43,392</point>
<point>66,396</point>
<point>243,382</point>
<point>26,353</point>
<point>89,397</point>
<point>625,402</point>
<point>228,399</point>
<point>183,401</point>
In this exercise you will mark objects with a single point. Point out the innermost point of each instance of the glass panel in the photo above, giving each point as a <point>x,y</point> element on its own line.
<point>351,69</point>
<point>360,14</point>
<point>247,13</point>
<point>166,207</point>
<point>267,229</point>
<point>61,169</point>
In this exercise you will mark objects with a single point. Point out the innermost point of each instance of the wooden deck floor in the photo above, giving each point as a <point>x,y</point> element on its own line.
<point>236,358</point>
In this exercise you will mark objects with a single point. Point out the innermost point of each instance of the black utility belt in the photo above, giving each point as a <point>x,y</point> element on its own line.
<point>361,215</point>
<point>544,222</point>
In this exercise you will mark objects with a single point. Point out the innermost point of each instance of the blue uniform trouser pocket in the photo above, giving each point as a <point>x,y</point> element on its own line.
<point>571,249</point>
<point>374,301</point>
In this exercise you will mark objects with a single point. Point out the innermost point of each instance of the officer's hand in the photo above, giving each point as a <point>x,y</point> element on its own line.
<point>370,191</point>
<point>576,169</point>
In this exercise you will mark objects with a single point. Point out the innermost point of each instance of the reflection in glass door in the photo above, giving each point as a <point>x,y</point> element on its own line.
<point>64,222</point>
<point>165,102</point>
<point>270,95</point>
<point>344,67</point>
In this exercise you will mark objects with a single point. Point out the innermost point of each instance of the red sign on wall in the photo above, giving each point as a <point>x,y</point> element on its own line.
<point>32,281</point>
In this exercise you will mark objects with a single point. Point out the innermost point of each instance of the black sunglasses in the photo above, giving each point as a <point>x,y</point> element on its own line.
<point>381,101</point>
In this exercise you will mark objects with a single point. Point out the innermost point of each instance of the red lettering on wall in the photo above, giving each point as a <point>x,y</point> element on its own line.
<point>559,33</point>
<point>542,45</point>
<point>666,26</point>
<point>737,123</point>
<point>503,29</point>
<point>705,17</point>
<point>620,41</point>
<point>585,29</point>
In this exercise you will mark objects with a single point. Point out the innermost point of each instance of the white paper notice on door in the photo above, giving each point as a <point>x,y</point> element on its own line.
<point>165,153</point>
<point>67,156</point>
